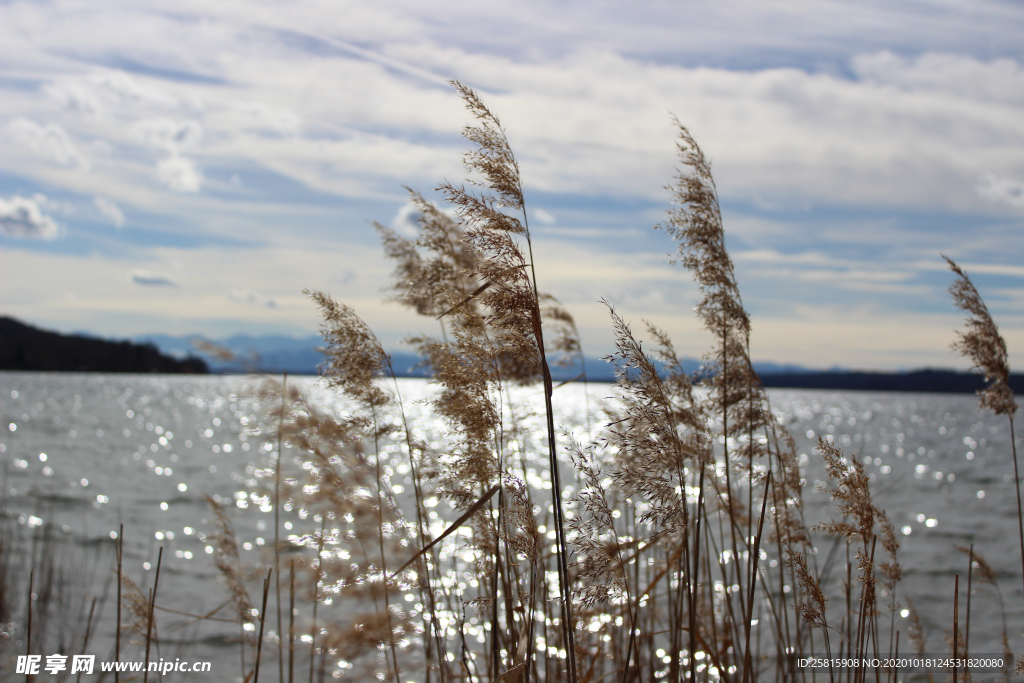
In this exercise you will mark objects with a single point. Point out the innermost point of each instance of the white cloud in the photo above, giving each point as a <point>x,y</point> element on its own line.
<point>249,296</point>
<point>104,92</point>
<point>22,217</point>
<point>168,135</point>
<point>148,278</point>
<point>109,210</point>
<point>179,174</point>
<point>1000,189</point>
<point>892,111</point>
<point>49,141</point>
<point>264,118</point>
<point>406,219</point>
<point>544,217</point>
<point>589,118</point>
<point>1001,80</point>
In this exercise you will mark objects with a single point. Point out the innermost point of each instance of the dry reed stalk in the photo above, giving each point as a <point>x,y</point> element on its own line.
<point>981,342</point>
<point>229,563</point>
<point>263,619</point>
<point>138,605</point>
<point>318,567</point>
<point>737,394</point>
<point>659,440</point>
<point>601,567</point>
<point>747,675</point>
<point>895,655</point>
<point>390,640</point>
<point>120,573</point>
<point>277,526</point>
<point>815,611</point>
<point>434,268</point>
<point>987,576</point>
<point>696,224</point>
<point>956,619</point>
<point>433,271</point>
<point>28,635</point>
<point>853,494</point>
<point>512,298</point>
<point>355,359</point>
<point>149,610</point>
<point>967,627</point>
<point>416,450</point>
<point>88,632</point>
<point>291,622</point>
<point>447,270</point>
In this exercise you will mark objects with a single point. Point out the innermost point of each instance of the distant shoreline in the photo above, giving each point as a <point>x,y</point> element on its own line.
<point>924,381</point>
<point>27,348</point>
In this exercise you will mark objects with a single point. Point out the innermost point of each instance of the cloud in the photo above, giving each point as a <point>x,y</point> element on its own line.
<point>406,219</point>
<point>248,296</point>
<point>179,174</point>
<point>22,217</point>
<point>150,279</point>
<point>1001,80</point>
<point>1000,189</point>
<point>168,135</point>
<point>109,210</point>
<point>863,125</point>
<point>544,217</point>
<point>266,119</point>
<point>857,133</point>
<point>103,92</point>
<point>49,141</point>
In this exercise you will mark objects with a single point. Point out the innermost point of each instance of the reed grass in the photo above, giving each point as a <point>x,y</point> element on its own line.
<point>981,342</point>
<point>682,551</point>
<point>54,590</point>
<point>63,588</point>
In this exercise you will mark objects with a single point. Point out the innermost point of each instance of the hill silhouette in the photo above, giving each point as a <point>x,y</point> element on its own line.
<point>23,347</point>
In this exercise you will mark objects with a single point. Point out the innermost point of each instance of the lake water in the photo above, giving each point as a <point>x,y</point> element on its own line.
<point>89,452</point>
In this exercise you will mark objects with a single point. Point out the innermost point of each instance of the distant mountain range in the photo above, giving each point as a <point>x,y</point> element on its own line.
<point>298,356</point>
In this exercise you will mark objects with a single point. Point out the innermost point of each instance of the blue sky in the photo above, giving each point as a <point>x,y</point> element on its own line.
<point>189,167</point>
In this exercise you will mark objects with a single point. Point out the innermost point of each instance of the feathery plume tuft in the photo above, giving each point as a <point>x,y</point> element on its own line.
<point>354,356</point>
<point>696,224</point>
<point>981,342</point>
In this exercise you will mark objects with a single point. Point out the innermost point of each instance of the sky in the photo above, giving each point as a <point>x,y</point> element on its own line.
<point>190,167</point>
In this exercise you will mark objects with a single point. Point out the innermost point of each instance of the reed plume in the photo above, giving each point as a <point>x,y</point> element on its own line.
<point>508,292</point>
<point>749,432</point>
<point>137,604</point>
<point>229,563</point>
<point>916,632</point>
<point>981,342</point>
<point>813,609</point>
<point>434,268</point>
